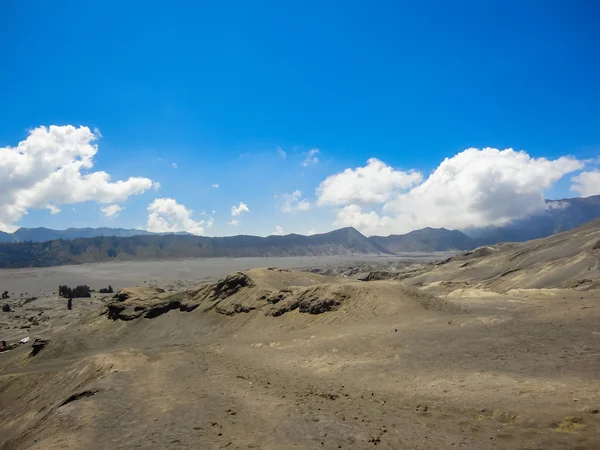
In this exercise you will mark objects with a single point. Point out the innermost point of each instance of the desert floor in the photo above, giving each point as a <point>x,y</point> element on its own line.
<point>389,367</point>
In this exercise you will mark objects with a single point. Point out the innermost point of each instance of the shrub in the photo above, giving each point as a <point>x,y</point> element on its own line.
<point>78,292</point>
<point>6,307</point>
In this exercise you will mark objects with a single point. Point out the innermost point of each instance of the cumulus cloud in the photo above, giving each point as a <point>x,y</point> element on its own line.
<point>586,183</point>
<point>156,185</point>
<point>473,188</point>
<point>237,210</point>
<point>234,222</point>
<point>278,231</point>
<point>53,209</point>
<point>215,185</point>
<point>165,215</point>
<point>281,153</point>
<point>52,166</point>
<point>353,216</point>
<point>294,202</point>
<point>311,157</point>
<point>112,211</point>
<point>374,183</point>
<point>174,165</point>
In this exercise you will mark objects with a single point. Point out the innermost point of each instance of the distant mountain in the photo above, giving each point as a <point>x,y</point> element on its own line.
<point>346,241</point>
<point>33,247</point>
<point>46,234</point>
<point>426,240</point>
<point>561,215</point>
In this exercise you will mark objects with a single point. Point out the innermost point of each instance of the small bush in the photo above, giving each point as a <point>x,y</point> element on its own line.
<point>5,295</point>
<point>6,307</point>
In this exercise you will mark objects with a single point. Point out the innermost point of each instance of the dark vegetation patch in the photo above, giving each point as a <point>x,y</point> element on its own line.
<point>81,291</point>
<point>108,290</point>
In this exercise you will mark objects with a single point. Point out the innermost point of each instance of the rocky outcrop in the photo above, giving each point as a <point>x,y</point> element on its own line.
<point>273,294</point>
<point>231,284</point>
<point>312,300</point>
<point>237,293</point>
<point>379,275</point>
<point>148,302</point>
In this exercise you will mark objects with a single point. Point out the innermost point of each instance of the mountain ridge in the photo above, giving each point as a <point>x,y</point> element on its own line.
<point>426,240</point>
<point>346,241</point>
<point>20,249</point>
<point>41,234</point>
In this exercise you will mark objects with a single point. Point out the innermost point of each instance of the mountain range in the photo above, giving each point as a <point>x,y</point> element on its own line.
<point>34,247</point>
<point>560,215</point>
<point>46,234</point>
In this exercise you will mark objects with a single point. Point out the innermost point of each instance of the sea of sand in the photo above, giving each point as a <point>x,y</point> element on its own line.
<point>45,280</point>
<point>419,357</point>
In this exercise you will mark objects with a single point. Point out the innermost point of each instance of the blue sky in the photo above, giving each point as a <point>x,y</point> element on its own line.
<point>218,87</point>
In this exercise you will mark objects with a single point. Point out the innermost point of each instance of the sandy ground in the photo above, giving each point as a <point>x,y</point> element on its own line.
<point>389,367</point>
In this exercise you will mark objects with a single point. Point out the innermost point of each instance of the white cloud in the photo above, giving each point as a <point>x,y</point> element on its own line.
<point>353,216</point>
<point>311,157</point>
<point>156,185</point>
<point>53,209</point>
<point>586,183</point>
<point>473,188</point>
<point>237,210</point>
<point>216,185</point>
<point>294,202</point>
<point>213,211</point>
<point>374,183</point>
<point>53,166</point>
<point>165,215</point>
<point>311,231</point>
<point>174,165</point>
<point>278,231</point>
<point>234,222</point>
<point>556,204</point>
<point>112,211</point>
<point>281,153</point>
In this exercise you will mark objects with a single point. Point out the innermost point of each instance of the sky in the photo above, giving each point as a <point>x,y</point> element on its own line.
<point>223,118</point>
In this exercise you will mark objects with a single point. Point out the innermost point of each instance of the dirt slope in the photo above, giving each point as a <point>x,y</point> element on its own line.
<point>568,259</point>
